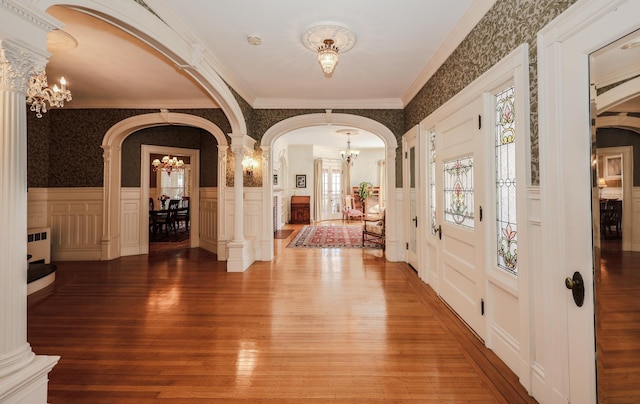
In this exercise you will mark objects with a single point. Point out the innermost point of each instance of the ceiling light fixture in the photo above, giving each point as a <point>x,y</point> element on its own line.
<point>326,39</point>
<point>168,164</point>
<point>348,155</point>
<point>39,93</point>
<point>328,56</point>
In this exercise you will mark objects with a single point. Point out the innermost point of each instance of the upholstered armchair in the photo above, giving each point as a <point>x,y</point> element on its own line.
<point>348,209</point>
<point>373,232</point>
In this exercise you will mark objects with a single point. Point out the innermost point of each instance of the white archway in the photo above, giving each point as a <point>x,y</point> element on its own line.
<point>328,118</point>
<point>180,46</point>
<point>112,143</point>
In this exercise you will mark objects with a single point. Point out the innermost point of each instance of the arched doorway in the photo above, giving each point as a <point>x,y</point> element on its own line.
<point>328,118</point>
<point>112,194</point>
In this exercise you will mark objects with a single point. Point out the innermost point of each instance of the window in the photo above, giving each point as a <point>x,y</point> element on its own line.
<point>505,154</point>
<point>458,192</point>
<point>432,180</point>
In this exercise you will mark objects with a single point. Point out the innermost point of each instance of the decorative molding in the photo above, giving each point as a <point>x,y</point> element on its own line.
<point>40,19</point>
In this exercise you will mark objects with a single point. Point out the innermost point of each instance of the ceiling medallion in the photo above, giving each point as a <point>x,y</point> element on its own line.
<point>327,40</point>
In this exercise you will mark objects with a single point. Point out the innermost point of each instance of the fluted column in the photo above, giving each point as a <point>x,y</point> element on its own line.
<point>222,202</point>
<point>267,205</point>
<point>17,64</point>
<point>238,191</point>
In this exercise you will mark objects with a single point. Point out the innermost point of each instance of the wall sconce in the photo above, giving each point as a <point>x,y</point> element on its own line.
<point>248,164</point>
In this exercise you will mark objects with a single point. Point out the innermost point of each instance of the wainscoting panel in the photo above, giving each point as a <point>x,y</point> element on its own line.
<point>635,219</point>
<point>130,221</point>
<point>37,211</point>
<point>75,216</point>
<point>209,237</point>
<point>252,223</point>
<point>539,321</point>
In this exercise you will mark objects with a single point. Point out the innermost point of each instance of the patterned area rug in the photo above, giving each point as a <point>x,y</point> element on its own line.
<point>328,237</point>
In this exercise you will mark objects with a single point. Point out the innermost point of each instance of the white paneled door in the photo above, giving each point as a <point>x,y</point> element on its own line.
<point>459,167</point>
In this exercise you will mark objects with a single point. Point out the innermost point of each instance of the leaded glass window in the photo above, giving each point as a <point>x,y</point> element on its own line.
<point>432,180</point>
<point>458,192</point>
<point>506,226</point>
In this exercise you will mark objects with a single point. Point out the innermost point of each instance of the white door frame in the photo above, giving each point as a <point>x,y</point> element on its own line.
<point>194,202</point>
<point>564,47</point>
<point>412,138</point>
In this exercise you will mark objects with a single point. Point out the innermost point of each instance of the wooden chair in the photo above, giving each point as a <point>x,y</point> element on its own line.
<point>348,209</point>
<point>611,219</point>
<point>183,213</point>
<point>373,232</point>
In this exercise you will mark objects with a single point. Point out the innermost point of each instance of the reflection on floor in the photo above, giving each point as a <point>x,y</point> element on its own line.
<point>617,287</point>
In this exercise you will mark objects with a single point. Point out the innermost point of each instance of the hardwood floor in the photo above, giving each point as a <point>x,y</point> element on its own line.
<point>311,326</point>
<point>618,324</point>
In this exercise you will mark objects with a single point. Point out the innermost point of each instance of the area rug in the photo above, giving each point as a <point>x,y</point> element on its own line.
<point>328,237</point>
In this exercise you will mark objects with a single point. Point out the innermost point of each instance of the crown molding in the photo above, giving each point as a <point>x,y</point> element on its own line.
<point>467,23</point>
<point>198,103</point>
<point>282,103</point>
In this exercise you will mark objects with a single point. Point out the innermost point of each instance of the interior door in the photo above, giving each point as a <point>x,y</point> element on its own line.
<point>331,191</point>
<point>412,173</point>
<point>460,165</point>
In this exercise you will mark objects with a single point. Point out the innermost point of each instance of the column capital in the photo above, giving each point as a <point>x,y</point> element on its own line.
<point>222,152</point>
<point>17,64</point>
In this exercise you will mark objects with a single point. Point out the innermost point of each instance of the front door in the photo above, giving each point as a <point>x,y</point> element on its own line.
<point>459,166</point>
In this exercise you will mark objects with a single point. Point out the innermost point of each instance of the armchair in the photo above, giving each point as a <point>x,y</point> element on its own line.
<point>373,232</point>
<point>348,209</point>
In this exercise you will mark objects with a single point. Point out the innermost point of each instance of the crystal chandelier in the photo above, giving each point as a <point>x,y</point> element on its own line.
<point>325,39</point>
<point>38,94</point>
<point>349,155</point>
<point>168,164</point>
<point>328,56</point>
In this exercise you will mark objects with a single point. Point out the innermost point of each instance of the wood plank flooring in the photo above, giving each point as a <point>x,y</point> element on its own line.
<point>311,326</point>
<point>618,324</point>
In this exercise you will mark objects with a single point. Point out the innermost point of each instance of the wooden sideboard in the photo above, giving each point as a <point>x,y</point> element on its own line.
<point>300,209</point>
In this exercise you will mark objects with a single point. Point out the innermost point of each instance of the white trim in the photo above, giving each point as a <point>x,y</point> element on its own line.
<point>513,69</point>
<point>170,37</point>
<point>280,103</point>
<point>564,46</point>
<point>301,121</point>
<point>111,144</point>
<point>194,202</point>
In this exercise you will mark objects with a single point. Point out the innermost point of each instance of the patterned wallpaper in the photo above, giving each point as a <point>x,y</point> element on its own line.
<point>173,136</point>
<point>508,24</point>
<point>64,146</point>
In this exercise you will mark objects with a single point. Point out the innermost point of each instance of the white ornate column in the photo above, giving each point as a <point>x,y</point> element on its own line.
<point>267,205</point>
<point>241,251</point>
<point>23,375</point>
<point>222,238</point>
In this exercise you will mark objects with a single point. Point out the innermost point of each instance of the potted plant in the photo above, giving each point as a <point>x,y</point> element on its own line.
<point>365,190</point>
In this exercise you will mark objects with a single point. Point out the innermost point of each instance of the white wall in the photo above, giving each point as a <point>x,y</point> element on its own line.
<point>365,168</point>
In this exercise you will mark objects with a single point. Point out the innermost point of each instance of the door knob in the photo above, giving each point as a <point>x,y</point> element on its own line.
<point>576,284</point>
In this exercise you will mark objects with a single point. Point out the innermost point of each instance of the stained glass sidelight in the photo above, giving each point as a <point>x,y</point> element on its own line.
<point>458,191</point>
<point>507,230</point>
<point>432,180</point>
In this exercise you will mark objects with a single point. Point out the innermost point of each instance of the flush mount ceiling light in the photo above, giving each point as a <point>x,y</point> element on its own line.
<point>327,40</point>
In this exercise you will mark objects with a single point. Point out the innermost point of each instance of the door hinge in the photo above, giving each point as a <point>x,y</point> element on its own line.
<point>482,307</point>
<point>406,155</point>
<point>406,246</point>
<point>480,213</point>
<point>479,121</point>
